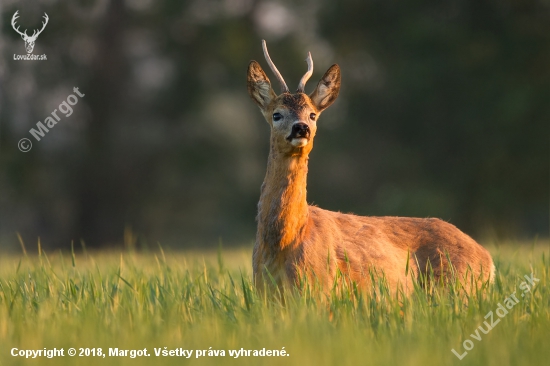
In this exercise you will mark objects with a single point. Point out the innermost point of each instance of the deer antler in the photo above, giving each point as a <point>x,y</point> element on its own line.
<point>307,75</point>
<point>13,21</point>
<point>284,88</point>
<point>46,18</point>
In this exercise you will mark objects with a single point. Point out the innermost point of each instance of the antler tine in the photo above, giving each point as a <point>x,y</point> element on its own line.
<point>46,18</point>
<point>13,21</point>
<point>307,75</point>
<point>284,88</point>
<point>14,18</point>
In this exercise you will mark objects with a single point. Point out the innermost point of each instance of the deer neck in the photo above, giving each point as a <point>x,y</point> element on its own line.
<point>283,210</point>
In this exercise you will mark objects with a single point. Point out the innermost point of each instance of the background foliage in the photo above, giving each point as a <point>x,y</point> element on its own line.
<point>443,112</point>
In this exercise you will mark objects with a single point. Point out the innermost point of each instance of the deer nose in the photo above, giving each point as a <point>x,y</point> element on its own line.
<point>300,130</point>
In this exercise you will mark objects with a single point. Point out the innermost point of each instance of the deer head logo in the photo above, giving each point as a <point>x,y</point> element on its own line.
<point>29,40</point>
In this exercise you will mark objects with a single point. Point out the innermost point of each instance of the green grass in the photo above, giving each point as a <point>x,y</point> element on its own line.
<point>197,300</point>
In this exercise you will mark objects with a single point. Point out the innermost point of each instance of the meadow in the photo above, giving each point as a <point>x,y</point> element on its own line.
<point>204,300</point>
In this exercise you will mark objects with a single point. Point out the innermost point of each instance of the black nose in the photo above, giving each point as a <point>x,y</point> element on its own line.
<point>300,130</point>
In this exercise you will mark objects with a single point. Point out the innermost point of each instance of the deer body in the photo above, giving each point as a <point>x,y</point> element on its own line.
<point>294,239</point>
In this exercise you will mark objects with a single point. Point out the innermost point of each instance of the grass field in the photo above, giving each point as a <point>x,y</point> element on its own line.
<point>205,301</point>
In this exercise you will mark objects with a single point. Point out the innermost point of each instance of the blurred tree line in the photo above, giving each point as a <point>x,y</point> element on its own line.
<point>444,112</point>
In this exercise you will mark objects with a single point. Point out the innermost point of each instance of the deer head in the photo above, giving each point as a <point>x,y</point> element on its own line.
<point>29,40</point>
<point>292,117</point>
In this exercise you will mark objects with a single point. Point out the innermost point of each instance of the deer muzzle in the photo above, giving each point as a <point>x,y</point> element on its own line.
<point>299,136</point>
<point>300,130</point>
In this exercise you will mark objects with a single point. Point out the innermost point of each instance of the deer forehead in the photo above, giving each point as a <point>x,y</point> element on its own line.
<point>294,103</point>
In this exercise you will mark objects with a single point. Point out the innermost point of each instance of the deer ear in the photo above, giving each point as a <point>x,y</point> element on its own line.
<point>259,86</point>
<point>327,90</point>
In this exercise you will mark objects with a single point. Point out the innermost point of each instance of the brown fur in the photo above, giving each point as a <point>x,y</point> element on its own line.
<point>294,238</point>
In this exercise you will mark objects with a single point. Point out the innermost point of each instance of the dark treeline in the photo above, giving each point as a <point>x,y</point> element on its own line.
<point>444,112</point>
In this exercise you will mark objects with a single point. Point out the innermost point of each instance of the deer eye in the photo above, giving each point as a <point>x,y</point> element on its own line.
<point>312,116</point>
<point>277,117</point>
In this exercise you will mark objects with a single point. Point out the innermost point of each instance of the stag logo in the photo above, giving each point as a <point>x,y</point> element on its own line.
<point>29,40</point>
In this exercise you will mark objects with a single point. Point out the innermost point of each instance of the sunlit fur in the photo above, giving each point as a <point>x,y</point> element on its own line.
<point>294,239</point>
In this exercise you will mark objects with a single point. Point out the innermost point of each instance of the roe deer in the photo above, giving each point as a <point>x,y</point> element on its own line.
<point>294,239</point>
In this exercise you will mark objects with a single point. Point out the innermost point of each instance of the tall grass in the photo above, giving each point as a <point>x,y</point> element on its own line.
<point>198,300</point>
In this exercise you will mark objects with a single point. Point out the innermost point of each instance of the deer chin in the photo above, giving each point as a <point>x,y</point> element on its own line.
<point>299,141</point>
